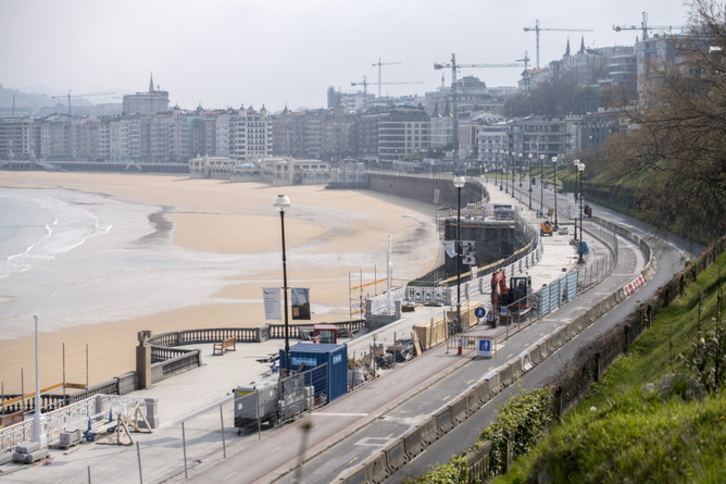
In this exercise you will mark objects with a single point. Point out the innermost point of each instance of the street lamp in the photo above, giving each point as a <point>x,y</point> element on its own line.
<point>576,162</point>
<point>507,158</point>
<point>529,178</point>
<point>38,419</point>
<point>459,183</point>
<point>554,161</point>
<point>282,203</point>
<point>580,260</point>
<point>496,178</point>
<point>541,183</point>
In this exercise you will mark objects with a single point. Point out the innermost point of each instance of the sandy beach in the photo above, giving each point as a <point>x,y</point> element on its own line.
<point>331,236</point>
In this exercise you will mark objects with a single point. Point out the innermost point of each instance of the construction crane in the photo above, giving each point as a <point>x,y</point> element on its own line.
<point>379,64</point>
<point>70,96</point>
<point>454,94</point>
<point>365,84</point>
<point>537,29</point>
<point>645,27</point>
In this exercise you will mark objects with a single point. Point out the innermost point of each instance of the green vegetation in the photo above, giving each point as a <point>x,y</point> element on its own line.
<point>658,415</point>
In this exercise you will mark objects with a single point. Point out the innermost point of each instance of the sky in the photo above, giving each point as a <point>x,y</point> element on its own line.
<point>277,53</point>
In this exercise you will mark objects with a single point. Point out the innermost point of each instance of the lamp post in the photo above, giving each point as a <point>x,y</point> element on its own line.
<point>38,418</point>
<point>576,162</point>
<point>529,178</point>
<point>282,203</point>
<point>554,190</point>
<point>459,183</point>
<point>580,168</point>
<point>519,170</point>
<point>541,183</point>
<point>507,164</point>
<point>496,178</point>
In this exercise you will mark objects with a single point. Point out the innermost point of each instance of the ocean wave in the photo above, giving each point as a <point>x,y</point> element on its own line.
<point>70,227</point>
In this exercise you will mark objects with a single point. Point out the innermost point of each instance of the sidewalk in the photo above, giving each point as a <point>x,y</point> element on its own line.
<point>190,393</point>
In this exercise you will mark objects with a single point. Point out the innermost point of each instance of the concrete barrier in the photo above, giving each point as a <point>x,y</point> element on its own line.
<point>482,392</point>
<point>444,421</point>
<point>465,405</point>
<point>414,442</point>
<point>535,355</point>
<point>358,476</point>
<point>377,469</point>
<point>430,430</point>
<point>395,453</point>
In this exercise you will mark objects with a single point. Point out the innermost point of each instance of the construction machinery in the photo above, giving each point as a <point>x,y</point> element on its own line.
<point>365,85</point>
<point>380,64</point>
<point>537,29</point>
<point>454,95</point>
<point>644,27</point>
<point>515,297</point>
<point>325,334</point>
<point>546,228</point>
<point>70,96</point>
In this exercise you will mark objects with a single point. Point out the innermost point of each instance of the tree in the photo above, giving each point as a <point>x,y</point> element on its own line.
<point>677,145</point>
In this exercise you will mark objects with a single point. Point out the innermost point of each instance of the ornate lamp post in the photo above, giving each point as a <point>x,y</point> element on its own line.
<point>282,203</point>
<point>38,419</point>
<point>496,178</point>
<point>459,183</point>
<point>554,190</point>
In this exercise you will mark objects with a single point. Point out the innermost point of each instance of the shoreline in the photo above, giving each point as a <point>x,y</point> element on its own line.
<point>330,234</point>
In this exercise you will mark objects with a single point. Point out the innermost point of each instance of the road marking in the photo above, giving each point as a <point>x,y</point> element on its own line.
<point>333,414</point>
<point>510,355</point>
<point>353,460</point>
<point>446,397</point>
<point>389,435</point>
<point>232,474</point>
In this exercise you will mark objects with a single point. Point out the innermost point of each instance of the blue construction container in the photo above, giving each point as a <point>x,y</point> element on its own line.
<point>330,362</point>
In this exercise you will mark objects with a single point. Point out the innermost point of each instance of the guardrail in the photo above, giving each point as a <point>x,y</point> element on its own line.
<point>412,443</point>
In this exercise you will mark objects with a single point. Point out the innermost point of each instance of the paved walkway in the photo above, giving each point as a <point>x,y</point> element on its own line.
<point>188,394</point>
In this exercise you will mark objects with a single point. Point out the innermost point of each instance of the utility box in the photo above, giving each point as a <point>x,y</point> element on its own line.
<point>330,365</point>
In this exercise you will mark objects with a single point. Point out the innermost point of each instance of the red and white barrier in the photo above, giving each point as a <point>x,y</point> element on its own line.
<point>634,286</point>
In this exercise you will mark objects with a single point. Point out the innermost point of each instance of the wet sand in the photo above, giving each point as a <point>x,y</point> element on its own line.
<point>331,237</point>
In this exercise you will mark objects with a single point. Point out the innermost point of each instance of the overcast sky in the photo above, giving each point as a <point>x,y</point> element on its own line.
<point>227,53</point>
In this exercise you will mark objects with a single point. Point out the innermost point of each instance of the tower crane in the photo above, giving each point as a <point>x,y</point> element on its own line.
<point>537,29</point>
<point>379,64</point>
<point>454,94</point>
<point>365,84</point>
<point>645,27</point>
<point>70,96</point>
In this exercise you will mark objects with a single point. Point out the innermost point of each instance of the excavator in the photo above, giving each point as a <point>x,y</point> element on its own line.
<point>515,297</point>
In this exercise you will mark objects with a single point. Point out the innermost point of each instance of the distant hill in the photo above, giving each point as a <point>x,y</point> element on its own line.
<point>35,100</point>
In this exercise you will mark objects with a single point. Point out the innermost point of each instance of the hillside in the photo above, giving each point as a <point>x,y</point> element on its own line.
<point>659,414</point>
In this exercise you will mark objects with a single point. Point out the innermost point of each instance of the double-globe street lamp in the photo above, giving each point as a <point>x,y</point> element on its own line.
<point>459,183</point>
<point>575,162</point>
<point>282,203</point>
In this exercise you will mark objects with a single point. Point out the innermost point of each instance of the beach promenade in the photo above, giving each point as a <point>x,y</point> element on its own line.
<point>192,403</point>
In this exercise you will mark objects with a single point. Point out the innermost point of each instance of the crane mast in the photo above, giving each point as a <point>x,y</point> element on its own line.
<point>454,95</point>
<point>379,64</point>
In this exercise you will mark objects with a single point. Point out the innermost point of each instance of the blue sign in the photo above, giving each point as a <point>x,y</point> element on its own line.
<point>503,310</point>
<point>480,312</point>
<point>490,317</point>
<point>485,347</point>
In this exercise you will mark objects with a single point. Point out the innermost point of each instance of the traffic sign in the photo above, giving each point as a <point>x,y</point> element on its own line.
<point>503,310</point>
<point>480,312</point>
<point>485,347</point>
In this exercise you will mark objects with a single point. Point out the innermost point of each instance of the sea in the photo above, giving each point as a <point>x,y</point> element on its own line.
<point>73,257</point>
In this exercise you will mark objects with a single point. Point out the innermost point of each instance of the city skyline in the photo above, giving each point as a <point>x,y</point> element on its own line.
<point>286,53</point>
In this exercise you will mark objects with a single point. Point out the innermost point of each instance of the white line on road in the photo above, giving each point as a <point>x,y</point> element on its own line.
<point>232,474</point>
<point>333,414</point>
